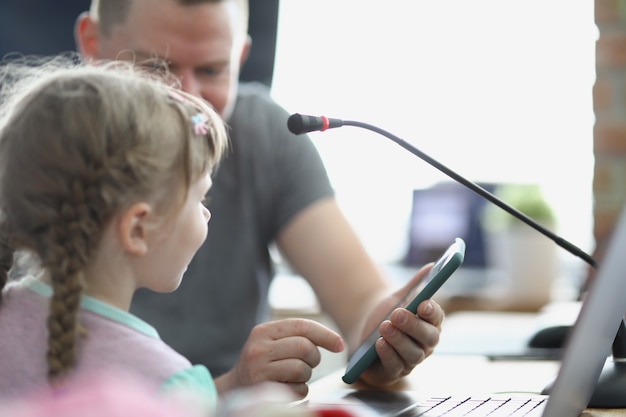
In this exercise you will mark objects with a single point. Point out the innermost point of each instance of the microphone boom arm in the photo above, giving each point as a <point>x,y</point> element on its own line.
<point>478,190</point>
<point>612,381</point>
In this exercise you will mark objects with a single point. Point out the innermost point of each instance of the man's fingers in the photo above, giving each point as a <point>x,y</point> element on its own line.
<point>301,389</point>
<point>432,312</point>
<point>422,332</point>
<point>317,333</point>
<point>289,370</point>
<point>295,347</point>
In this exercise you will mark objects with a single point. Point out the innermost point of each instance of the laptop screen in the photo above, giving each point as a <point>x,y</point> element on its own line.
<point>590,341</point>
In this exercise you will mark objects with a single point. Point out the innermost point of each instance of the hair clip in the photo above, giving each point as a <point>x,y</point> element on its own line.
<point>198,121</point>
<point>200,126</point>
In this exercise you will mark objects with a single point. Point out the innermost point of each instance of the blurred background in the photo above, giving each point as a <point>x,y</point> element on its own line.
<point>47,27</point>
<point>500,92</point>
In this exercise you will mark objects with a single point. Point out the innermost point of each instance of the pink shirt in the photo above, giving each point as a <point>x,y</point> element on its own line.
<point>115,340</point>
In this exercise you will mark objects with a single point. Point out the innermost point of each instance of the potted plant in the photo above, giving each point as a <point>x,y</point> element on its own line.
<point>526,259</point>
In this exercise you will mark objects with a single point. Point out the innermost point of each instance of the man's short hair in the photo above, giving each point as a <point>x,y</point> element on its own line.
<point>109,13</point>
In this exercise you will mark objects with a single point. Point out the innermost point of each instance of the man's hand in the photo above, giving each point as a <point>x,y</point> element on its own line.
<point>407,338</point>
<point>283,351</point>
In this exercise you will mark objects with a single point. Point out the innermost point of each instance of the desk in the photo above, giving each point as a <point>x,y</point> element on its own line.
<point>447,374</point>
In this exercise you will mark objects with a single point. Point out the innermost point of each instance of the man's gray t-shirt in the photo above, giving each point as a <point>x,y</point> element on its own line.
<point>268,176</point>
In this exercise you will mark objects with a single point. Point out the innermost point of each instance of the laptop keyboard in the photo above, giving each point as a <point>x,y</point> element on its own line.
<point>412,404</point>
<point>477,406</point>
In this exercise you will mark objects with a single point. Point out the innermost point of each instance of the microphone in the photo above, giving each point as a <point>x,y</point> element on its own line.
<point>299,124</point>
<point>612,379</point>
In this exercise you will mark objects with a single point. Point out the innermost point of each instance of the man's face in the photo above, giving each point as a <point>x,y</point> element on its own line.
<point>203,45</point>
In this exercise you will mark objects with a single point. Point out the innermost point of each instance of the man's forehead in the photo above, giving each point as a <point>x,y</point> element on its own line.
<point>146,14</point>
<point>176,48</point>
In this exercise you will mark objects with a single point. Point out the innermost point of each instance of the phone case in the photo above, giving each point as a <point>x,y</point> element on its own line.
<point>449,262</point>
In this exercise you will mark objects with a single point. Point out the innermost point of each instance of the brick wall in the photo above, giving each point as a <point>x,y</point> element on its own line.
<point>609,102</point>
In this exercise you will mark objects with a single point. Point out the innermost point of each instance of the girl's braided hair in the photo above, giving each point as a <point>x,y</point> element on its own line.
<point>78,143</point>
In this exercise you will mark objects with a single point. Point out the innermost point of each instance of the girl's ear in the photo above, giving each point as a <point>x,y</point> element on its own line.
<point>133,228</point>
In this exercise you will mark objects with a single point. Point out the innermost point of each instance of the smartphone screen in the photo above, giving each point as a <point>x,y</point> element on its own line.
<point>443,268</point>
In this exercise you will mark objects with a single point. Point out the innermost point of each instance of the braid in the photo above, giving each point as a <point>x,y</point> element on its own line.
<point>6,257</point>
<point>63,322</point>
<point>68,253</point>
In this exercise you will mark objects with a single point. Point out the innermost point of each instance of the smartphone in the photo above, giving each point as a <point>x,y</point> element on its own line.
<point>449,262</point>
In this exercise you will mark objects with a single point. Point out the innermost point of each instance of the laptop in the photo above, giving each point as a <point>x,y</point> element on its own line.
<point>586,354</point>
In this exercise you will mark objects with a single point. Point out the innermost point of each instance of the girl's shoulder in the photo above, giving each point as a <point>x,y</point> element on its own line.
<point>196,385</point>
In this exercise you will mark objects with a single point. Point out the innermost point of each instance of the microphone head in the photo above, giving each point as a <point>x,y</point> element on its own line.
<point>295,124</point>
<point>299,124</point>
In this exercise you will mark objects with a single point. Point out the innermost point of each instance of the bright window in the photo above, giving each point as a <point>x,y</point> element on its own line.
<point>499,91</point>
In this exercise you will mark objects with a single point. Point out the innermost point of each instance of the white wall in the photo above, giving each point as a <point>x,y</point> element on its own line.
<point>497,90</point>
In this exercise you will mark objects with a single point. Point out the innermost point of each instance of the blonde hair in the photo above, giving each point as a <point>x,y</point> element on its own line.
<point>78,144</point>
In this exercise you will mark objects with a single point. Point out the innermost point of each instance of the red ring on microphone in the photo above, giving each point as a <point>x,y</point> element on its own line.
<point>325,123</point>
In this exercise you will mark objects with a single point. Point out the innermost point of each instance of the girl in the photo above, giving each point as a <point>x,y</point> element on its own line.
<point>103,173</point>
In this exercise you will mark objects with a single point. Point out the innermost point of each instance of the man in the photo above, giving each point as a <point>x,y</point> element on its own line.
<point>272,187</point>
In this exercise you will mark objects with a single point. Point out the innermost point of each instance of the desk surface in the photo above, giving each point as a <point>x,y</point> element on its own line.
<point>447,374</point>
